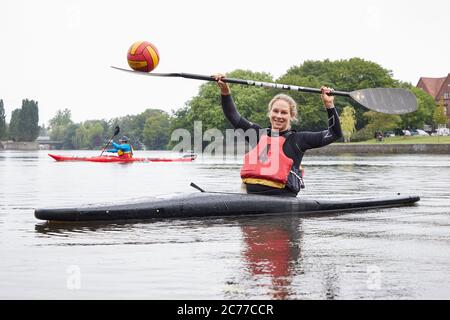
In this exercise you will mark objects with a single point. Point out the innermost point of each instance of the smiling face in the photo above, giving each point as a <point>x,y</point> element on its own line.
<point>280,115</point>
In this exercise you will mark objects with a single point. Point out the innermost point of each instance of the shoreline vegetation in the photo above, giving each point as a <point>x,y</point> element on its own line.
<point>150,129</point>
<point>404,140</point>
<point>389,145</point>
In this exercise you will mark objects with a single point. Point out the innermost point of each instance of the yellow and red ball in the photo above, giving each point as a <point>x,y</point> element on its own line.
<point>143,56</point>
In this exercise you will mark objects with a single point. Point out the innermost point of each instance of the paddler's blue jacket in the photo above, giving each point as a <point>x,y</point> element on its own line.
<point>121,149</point>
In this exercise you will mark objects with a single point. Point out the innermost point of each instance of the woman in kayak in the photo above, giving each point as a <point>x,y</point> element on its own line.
<point>272,167</point>
<point>123,148</point>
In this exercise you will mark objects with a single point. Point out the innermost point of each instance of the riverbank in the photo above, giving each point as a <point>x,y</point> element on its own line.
<point>25,146</point>
<point>390,145</point>
<point>381,148</point>
<point>409,140</point>
<point>394,145</point>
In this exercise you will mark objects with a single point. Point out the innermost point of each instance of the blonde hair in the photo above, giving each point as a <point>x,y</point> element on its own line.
<point>289,100</point>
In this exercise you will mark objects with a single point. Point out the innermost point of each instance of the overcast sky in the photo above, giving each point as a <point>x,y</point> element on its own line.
<point>59,52</point>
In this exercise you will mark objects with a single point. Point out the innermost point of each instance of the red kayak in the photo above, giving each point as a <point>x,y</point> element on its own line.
<point>186,158</point>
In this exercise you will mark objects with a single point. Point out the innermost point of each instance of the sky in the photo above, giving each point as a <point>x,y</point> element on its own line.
<point>59,52</point>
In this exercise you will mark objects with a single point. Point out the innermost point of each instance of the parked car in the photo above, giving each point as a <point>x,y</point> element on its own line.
<point>389,134</point>
<point>406,132</point>
<point>443,132</point>
<point>422,132</point>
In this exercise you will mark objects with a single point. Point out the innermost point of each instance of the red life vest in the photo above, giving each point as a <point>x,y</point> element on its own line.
<point>266,164</point>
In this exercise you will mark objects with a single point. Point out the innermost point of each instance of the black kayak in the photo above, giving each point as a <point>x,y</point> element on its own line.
<point>212,204</point>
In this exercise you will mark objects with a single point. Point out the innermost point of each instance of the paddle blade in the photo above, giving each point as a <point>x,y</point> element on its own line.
<point>386,100</point>
<point>116,130</point>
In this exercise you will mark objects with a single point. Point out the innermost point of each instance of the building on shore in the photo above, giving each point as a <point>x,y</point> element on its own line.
<point>438,88</point>
<point>23,146</point>
<point>41,143</point>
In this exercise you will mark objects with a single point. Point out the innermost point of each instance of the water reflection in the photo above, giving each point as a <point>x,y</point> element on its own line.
<point>52,228</point>
<point>271,249</point>
<point>272,252</point>
<point>331,281</point>
<point>275,259</point>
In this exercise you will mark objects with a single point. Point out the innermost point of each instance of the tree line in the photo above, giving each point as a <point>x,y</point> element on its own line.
<point>24,124</point>
<point>346,75</point>
<point>148,129</point>
<point>152,127</point>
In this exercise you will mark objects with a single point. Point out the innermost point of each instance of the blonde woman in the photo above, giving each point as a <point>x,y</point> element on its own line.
<point>272,167</point>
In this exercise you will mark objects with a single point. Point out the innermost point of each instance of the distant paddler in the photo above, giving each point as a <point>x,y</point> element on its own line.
<point>123,148</point>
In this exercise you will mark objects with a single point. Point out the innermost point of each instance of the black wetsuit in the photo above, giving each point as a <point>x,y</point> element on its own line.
<point>294,147</point>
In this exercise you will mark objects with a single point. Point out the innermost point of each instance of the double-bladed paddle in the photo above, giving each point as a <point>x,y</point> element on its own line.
<point>116,132</point>
<point>385,100</point>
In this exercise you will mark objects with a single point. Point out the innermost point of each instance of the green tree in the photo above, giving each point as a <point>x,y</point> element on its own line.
<point>89,135</point>
<point>3,131</point>
<point>345,75</point>
<point>95,135</point>
<point>424,114</point>
<point>377,122</point>
<point>348,122</point>
<point>80,139</point>
<point>14,128</point>
<point>69,140</point>
<point>133,126</point>
<point>24,125</point>
<point>62,117</point>
<point>29,121</point>
<point>181,119</point>
<point>251,102</point>
<point>156,131</point>
<point>348,75</point>
<point>59,124</point>
<point>439,116</point>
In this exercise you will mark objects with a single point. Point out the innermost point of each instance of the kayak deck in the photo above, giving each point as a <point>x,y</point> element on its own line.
<point>188,158</point>
<point>211,204</point>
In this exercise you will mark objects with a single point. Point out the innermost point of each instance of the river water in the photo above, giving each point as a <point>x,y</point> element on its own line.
<point>391,253</point>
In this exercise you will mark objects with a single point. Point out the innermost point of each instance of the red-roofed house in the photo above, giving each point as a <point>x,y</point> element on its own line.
<point>438,88</point>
